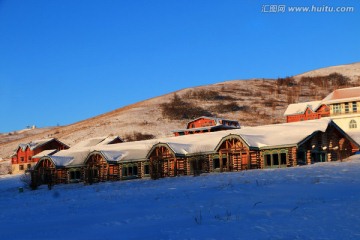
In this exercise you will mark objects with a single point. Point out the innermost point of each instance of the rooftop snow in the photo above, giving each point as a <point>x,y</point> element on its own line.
<point>256,137</point>
<point>34,144</point>
<point>45,153</point>
<point>90,142</point>
<point>343,95</point>
<point>300,108</point>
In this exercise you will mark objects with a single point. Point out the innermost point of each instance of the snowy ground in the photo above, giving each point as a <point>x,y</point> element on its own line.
<point>320,201</point>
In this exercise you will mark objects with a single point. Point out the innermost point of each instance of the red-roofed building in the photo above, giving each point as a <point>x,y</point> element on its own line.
<point>207,124</point>
<point>306,111</point>
<point>28,154</point>
<point>341,105</point>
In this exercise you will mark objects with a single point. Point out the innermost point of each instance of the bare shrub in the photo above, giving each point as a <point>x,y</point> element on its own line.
<point>333,79</point>
<point>179,109</point>
<point>27,181</point>
<point>206,95</point>
<point>5,168</point>
<point>138,136</point>
<point>229,107</point>
<point>287,82</point>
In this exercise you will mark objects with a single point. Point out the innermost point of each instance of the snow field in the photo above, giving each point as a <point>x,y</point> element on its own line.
<point>320,201</point>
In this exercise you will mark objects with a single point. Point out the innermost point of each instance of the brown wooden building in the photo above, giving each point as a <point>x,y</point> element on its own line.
<point>270,146</point>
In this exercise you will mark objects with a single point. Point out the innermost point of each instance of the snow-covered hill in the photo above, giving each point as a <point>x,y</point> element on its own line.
<point>256,101</point>
<point>320,201</point>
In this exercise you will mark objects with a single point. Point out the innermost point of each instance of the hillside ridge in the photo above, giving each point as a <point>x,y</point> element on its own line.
<point>252,102</point>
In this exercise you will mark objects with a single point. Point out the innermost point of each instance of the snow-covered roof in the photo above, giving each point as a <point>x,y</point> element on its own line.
<point>216,120</point>
<point>266,136</point>
<point>110,140</point>
<point>45,153</point>
<point>355,135</point>
<point>204,128</point>
<point>261,137</point>
<point>271,136</point>
<point>300,108</point>
<point>343,95</point>
<point>90,142</point>
<point>69,157</point>
<point>36,143</point>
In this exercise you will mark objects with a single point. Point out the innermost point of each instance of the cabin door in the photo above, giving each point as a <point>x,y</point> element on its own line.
<point>93,174</point>
<point>244,161</point>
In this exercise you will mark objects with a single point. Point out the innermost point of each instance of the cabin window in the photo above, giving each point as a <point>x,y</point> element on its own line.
<point>353,124</point>
<point>268,160</point>
<point>21,159</point>
<point>75,175</point>
<point>318,157</point>
<point>337,108</point>
<point>283,159</point>
<point>301,158</point>
<point>216,163</point>
<point>28,166</point>
<point>130,170</point>
<point>124,171</point>
<point>29,158</point>
<point>146,169</point>
<point>21,167</point>
<point>346,107</point>
<point>275,159</point>
<point>224,162</point>
<point>309,112</point>
<point>354,106</point>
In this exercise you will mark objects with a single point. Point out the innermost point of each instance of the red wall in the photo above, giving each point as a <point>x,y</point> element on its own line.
<point>323,111</point>
<point>28,154</point>
<point>202,122</point>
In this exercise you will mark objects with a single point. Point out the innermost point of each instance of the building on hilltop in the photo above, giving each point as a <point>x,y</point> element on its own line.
<point>306,111</point>
<point>344,107</point>
<point>26,155</point>
<point>341,105</point>
<point>207,124</point>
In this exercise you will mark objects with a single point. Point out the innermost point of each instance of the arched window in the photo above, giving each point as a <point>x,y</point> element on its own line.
<point>352,124</point>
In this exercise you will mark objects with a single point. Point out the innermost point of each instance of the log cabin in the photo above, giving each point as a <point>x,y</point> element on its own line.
<point>269,146</point>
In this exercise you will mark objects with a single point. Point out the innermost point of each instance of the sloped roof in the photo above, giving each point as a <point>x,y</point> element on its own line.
<point>343,95</point>
<point>355,135</point>
<point>204,128</point>
<point>255,137</point>
<point>69,157</point>
<point>45,153</point>
<point>90,142</point>
<point>216,119</point>
<point>268,136</point>
<point>37,143</point>
<point>300,108</point>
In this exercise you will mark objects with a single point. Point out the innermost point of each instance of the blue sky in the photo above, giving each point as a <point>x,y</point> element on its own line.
<point>65,61</point>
